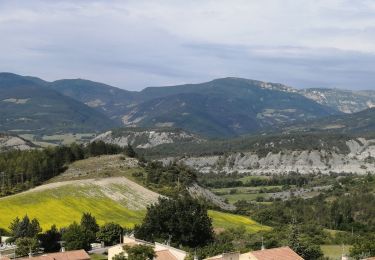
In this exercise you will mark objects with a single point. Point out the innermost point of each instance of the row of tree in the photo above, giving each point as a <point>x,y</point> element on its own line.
<point>27,234</point>
<point>20,170</point>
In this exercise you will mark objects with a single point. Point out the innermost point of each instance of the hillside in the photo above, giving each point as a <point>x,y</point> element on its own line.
<point>112,199</point>
<point>107,99</point>
<point>347,101</point>
<point>13,142</point>
<point>100,186</point>
<point>147,138</point>
<point>28,106</point>
<point>281,154</point>
<point>362,122</point>
<point>222,107</point>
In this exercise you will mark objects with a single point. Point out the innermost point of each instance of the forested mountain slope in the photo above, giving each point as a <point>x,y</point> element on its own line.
<point>30,107</point>
<point>222,107</point>
<point>362,122</point>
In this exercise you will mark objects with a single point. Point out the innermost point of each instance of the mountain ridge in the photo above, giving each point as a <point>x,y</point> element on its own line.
<point>30,106</point>
<point>221,107</point>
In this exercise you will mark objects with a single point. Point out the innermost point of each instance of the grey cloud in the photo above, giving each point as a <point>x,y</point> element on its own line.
<point>134,44</point>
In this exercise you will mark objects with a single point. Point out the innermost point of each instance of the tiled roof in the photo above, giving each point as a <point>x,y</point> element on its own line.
<point>165,255</point>
<point>284,253</point>
<point>68,255</point>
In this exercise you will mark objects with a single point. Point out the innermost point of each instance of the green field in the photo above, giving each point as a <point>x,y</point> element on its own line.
<point>227,220</point>
<point>245,193</point>
<point>64,204</point>
<point>334,252</point>
<point>253,177</point>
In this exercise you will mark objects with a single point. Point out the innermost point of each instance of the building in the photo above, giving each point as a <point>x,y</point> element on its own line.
<point>284,253</point>
<point>68,255</point>
<point>162,251</point>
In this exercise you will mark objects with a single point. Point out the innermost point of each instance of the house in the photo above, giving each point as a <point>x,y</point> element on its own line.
<point>162,251</point>
<point>284,253</point>
<point>68,255</point>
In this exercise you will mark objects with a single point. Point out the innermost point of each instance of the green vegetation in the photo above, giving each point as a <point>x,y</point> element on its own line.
<point>361,122</point>
<point>183,221</point>
<point>229,221</point>
<point>109,233</point>
<point>76,237</point>
<point>28,106</point>
<point>137,252</point>
<point>259,144</point>
<point>335,251</point>
<point>21,170</point>
<point>98,257</point>
<point>68,203</point>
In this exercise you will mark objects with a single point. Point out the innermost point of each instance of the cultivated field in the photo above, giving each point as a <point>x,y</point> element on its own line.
<point>100,185</point>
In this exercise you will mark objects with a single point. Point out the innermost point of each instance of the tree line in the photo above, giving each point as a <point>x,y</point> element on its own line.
<point>21,170</point>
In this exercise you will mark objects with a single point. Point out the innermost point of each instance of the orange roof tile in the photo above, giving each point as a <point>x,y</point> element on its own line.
<point>284,253</point>
<point>68,255</point>
<point>165,255</point>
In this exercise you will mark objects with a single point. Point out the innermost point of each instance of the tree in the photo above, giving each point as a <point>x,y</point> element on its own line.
<point>26,245</point>
<point>109,233</point>
<point>137,252</point>
<point>25,227</point>
<point>90,226</point>
<point>303,248</point>
<point>140,252</point>
<point>76,237</point>
<point>129,151</point>
<point>363,247</point>
<point>50,240</point>
<point>183,221</point>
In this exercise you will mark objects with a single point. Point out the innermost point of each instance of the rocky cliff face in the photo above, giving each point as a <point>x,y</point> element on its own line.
<point>360,160</point>
<point>142,138</point>
<point>10,142</point>
<point>347,101</point>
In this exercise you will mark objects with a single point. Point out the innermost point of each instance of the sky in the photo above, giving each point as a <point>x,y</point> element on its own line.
<point>136,44</point>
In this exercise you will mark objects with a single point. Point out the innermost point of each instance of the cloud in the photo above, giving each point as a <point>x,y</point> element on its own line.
<point>135,44</point>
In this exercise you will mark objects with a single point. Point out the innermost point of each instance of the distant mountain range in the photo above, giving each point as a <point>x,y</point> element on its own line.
<point>219,108</point>
<point>28,105</point>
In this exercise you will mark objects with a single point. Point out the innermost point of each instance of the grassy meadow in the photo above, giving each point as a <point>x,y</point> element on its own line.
<point>334,252</point>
